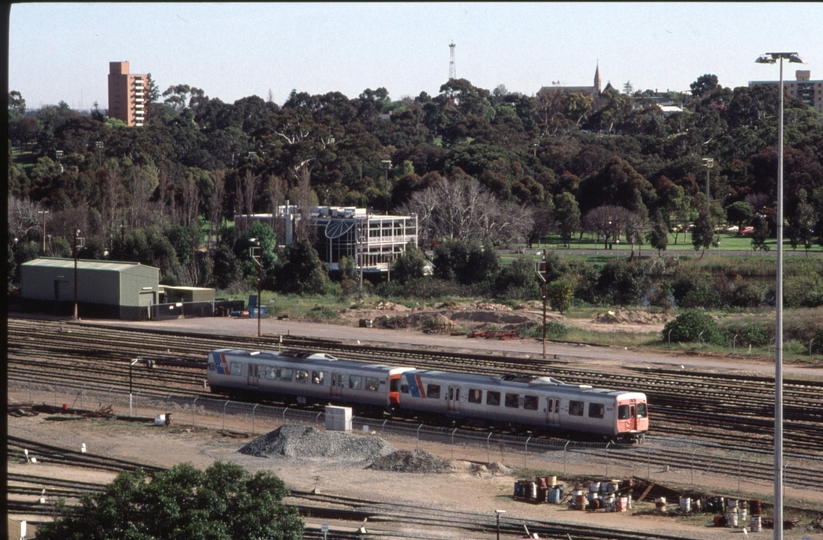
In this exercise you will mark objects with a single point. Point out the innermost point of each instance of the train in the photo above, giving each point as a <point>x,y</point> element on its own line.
<point>513,402</point>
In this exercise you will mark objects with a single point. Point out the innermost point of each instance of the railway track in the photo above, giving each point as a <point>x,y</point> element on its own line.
<point>34,495</point>
<point>720,407</point>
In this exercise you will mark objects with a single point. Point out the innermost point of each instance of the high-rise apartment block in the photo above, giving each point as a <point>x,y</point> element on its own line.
<point>811,92</point>
<point>128,94</point>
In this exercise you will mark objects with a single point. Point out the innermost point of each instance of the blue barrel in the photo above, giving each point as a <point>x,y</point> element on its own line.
<point>555,494</point>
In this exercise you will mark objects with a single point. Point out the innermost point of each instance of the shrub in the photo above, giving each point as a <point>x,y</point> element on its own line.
<point>691,326</point>
<point>817,344</point>
<point>755,335</point>
<point>559,294</point>
<point>747,295</point>
<point>322,312</point>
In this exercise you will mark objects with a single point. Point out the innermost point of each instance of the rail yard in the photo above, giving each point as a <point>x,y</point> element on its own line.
<point>729,411</point>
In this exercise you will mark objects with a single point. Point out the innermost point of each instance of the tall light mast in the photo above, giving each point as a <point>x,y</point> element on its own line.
<point>452,66</point>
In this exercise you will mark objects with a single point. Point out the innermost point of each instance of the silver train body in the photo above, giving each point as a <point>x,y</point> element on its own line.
<point>536,403</point>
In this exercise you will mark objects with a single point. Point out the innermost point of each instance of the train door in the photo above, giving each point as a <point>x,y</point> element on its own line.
<point>254,376</point>
<point>627,415</point>
<point>553,411</point>
<point>336,387</point>
<point>453,399</point>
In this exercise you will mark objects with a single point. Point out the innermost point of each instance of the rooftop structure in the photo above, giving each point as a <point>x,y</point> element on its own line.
<point>811,92</point>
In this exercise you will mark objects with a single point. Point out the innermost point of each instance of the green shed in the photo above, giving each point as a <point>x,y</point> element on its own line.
<point>120,290</point>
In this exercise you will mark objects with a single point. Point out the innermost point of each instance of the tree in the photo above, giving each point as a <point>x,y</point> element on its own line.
<point>567,216</point>
<point>409,265</point>
<point>658,235</point>
<point>224,502</point>
<point>628,89</point>
<point>704,85</point>
<point>302,272</point>
<point>17,105</point>
<point>739,213</point>
<point>465,261</point>
<point>559,294</point>
<point>703,233</point>
<point>607,222</point>
<point>760,234</point>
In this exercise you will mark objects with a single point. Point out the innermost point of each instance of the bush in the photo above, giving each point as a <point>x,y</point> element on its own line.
<point>747,295</point>
<point>322,312</point>
<point>692,326</point>
<point>754,335</point>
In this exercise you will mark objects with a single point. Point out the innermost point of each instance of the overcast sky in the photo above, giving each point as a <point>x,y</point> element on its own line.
<point>61,51</point>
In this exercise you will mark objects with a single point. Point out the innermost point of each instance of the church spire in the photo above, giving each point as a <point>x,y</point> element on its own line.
<point>597,79</point>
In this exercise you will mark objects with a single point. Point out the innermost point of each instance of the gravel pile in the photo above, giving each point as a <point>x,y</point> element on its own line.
<point>412,461</point>
<point>297,441</point>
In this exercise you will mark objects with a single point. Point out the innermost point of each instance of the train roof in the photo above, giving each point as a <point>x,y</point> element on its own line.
<point>517,381</point>
<point>310,358</point>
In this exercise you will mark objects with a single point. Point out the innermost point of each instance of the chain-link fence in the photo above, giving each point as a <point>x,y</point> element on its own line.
<point>658,459</point>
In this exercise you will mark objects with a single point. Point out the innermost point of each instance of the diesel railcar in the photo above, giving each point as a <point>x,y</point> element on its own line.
<point>515,402</point>
<point>512,402</point>
<point>304,377</point>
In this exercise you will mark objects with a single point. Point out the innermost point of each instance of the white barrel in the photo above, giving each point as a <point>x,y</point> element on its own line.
<point>731,503</point>
<point>594,487</point>
<point>685,504</point>
<point>731,519</point>
<point>755,525</point>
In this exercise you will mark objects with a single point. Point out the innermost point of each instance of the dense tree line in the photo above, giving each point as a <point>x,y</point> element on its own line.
<point>497,167</point>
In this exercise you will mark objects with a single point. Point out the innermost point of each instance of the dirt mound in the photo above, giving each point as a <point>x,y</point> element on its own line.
<point>488,306</point>
<point>391,306</point>
<point>411,461</point>
<point>297,441</point>
<point>621,316</point>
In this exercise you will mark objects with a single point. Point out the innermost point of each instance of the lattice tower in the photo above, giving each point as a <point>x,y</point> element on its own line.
<point>452,66</point>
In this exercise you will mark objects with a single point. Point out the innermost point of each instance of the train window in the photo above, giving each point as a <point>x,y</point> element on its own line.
<point>493,398</point>
<point>576,408</point>
<point>355,382</point>
<point>372,384</point>
<point>513,400</point>
<point>551,403</point>
<point>623,412</point>
<point>283,374</point>
<point>393,385</point>
<point>596,410</point>
<point>235,368</point>
<point>404,388</point>
<point>641,410</point>
<point>317,377</point>
<point>433,391</point>
<point>530,402</point>
<point>301,375</point>
<point>211,366</point>
<point>475,395</point>
<point>270,372</point>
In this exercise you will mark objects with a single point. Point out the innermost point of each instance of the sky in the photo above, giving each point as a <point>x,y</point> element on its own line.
<point>61,51</point>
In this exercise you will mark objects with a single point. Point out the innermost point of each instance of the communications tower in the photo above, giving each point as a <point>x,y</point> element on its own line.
<point>452,67</point>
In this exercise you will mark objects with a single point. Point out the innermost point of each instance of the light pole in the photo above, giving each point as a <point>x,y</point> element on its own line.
<point>254,251</point>
<point>542,271</point>
<point>122,242</point>
<point>76,244</point>
<point>708,163</point>
<point>771,58</point>
<point>44,212</point>
<point>498,512</point>
<point>131,365</point>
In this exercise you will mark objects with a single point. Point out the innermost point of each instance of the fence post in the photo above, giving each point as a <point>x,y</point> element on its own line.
<point>526,453</point>
<point>317,418</point>
<point>488,449</point>
<point>607,458</point>
<point>418,436</point>
<point>193,406</point>
<point>136,400</point>
<point>695,450</point>
<point>455,429</point>
<point>284,414</point>
<point>224,414</point>
<point>383,427</point>
<point>252,417</point>
<point>738,473</point>
<point>649,465</point>
<point>108,394</point>
<point>564,456</point>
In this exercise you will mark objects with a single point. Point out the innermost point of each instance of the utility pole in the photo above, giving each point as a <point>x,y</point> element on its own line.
<point>254,252</point>
<point>44,212</point>
<point>541,273</point>
<point>708,163</point>
<point>122,242</point>
<point>78,242</point>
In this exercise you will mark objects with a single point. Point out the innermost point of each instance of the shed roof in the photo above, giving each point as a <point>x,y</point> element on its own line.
<point>83,264</point>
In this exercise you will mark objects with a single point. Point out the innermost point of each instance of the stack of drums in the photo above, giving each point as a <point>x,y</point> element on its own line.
<point>754,522</point>
<point>685,505</point>
<point>660,504</point>
<point>608,502</point>
<point>542,489</point>
<point>742,510</point>
<point>732,515</point>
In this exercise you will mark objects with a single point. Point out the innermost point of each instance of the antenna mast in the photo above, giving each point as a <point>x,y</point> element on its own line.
<point>452,67</point>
